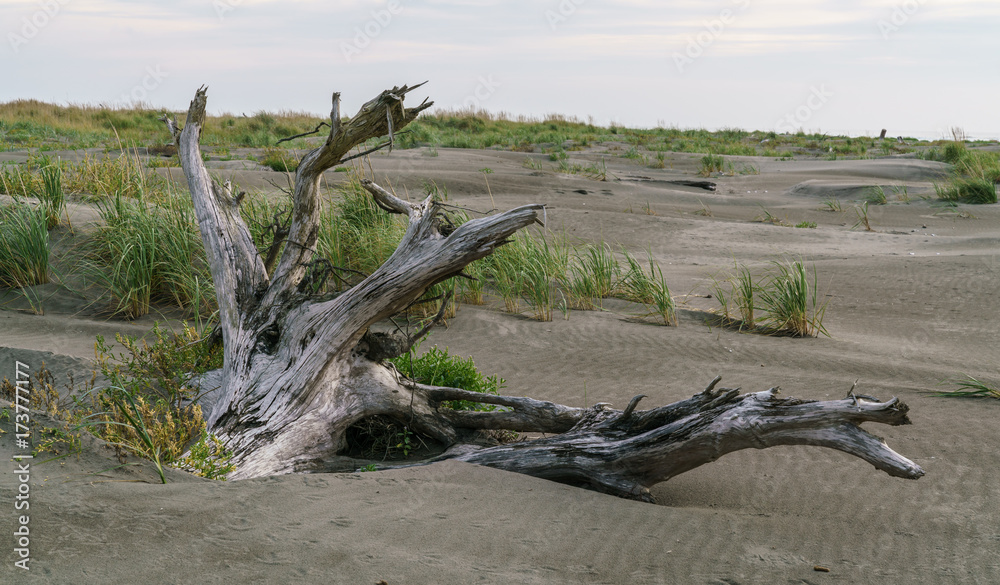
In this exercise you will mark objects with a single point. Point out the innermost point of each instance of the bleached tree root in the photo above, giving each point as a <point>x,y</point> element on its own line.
<point>626,452</point>
<point>299,369</point>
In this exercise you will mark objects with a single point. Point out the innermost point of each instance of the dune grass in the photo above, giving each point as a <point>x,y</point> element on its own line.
<point>863,220</point>
<point>280,160</point>
<point>95,177</point>
<point>790,300</point>
<point>976,176</point>
<point>24,245</point>
<point>741,290</point>
<point>781,301</point>
<point>876,195</point>
<point>593,276</point>
<point>648,288</point>
<point>355,235</point>
<point>144,253</point>
<point>969,387</point>
<point>975,190</point>
<point>711,163</point>
<point>266,218</point>
<point>33,124</point>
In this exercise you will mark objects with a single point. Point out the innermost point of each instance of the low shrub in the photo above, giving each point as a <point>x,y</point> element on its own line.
<point>280,160</point>
<point>437,367</point>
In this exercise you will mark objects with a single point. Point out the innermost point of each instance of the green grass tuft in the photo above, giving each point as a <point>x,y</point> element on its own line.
<point>970,387</point>
<point>790,301</point>
<point>24,245</point>
<point>144,252</point>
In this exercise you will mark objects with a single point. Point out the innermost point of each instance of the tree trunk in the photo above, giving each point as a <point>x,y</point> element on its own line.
<point>299,369</point>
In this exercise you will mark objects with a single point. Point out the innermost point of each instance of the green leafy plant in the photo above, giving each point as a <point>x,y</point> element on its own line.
<point>148,409</point>
<point>130,422</point>
<point>806,224</point>
<point>153,367</point>
<point>437,367</point>
<point>382,438</point>
<point>208,458</point>
<point>406,441</point>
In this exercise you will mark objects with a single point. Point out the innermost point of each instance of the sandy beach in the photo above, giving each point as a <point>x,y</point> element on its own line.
<point>911,305</point>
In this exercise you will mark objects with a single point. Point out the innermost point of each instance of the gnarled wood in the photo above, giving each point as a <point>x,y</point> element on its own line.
<point>626,452</point>
<point>299,370</point>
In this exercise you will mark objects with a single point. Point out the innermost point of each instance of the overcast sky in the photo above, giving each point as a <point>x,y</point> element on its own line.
<point>916,67</point>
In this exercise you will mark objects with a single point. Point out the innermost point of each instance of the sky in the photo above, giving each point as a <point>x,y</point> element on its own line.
<point>914,67</point>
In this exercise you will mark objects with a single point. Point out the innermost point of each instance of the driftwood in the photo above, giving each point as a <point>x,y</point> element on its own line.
<point>706,185</point>
<point>300,369</point>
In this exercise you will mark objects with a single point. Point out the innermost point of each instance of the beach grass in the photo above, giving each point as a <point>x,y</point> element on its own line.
<point>648,288</point>
<point>975,190</point>
<point>969,387</point>
<point>144,252</point>
<point>593,276</point>
<point>52,196</point>
<point>24,245</point>
<point>790,300</point>
<point>711,163</point>
<point>38,125</point>
<point>782,300</point>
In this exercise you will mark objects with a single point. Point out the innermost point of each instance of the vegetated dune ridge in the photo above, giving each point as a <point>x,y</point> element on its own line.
<point>910,305</point>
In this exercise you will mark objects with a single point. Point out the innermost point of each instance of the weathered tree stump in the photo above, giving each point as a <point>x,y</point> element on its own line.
<point>299,369</point>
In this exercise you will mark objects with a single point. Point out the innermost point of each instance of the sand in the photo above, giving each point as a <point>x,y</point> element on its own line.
<point>910,305</point>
